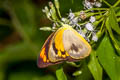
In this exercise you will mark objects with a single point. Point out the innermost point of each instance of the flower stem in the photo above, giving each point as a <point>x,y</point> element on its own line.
<point>107,3</point>
<point>117,3</point>
<point>102,26</point>
<point>98,9</point>
<point>92,14</point>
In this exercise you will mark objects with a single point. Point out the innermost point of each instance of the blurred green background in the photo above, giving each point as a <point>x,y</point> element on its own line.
<point>21,40</point>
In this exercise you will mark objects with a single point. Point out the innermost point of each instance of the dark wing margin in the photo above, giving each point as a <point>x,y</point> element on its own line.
<point>40,62</point>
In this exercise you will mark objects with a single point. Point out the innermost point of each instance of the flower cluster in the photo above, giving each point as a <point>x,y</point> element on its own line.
<point>86,30</point>
<point>83,22</point>
<point>91,4</point>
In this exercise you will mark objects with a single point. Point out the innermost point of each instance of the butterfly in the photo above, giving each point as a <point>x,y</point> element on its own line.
<point>65,44</point>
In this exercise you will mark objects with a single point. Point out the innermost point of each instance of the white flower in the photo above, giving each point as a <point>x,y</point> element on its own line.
<point>63,19</point>
<point>82,33</point>
<point>75,20</point>
<point>94,37</point>
<point>54,26</point>
<point>49,14</point>
<point>87,39</point>
<point>78,27</point>
<point>92,19</point>
<point>45,9</point>
<point>71,15</point>
<point>51,11</point>
<point>87,4</point>
<point>79,19</point>
<point>98,4</point>
<point>89,27</point>
<point>82,15</point>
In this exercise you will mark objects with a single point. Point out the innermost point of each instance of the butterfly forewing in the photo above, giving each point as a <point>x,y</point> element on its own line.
<point>76,46</point>
<point>56,51</point>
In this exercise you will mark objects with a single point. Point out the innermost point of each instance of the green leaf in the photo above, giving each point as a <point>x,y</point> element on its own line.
<point>83,73</point>
<point>117,10</point>
<point>115,41</point>
<point>95,67</point>
<point>113,21</point>
<point>60,74</point>
<point>108,59</point>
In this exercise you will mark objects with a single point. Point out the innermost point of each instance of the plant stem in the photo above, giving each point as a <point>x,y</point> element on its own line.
<point>98,9</point>
<point>83,23</point>
<point>107,3</point>
<point>117,3</point>
<point>92,14</point>
<point>78,13</point>
<point>102,25</point>
<point>59,13</point>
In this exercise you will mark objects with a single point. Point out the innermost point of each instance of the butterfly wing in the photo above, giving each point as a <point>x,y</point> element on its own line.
<point>43,60</point>
<point>56,51</point>
<point>75,45</point>
<point>68,44</point>
<point>47,55</point>
<point>64,44</point>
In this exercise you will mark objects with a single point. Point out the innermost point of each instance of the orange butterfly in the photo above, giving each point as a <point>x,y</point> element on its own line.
<point>65,44</point>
